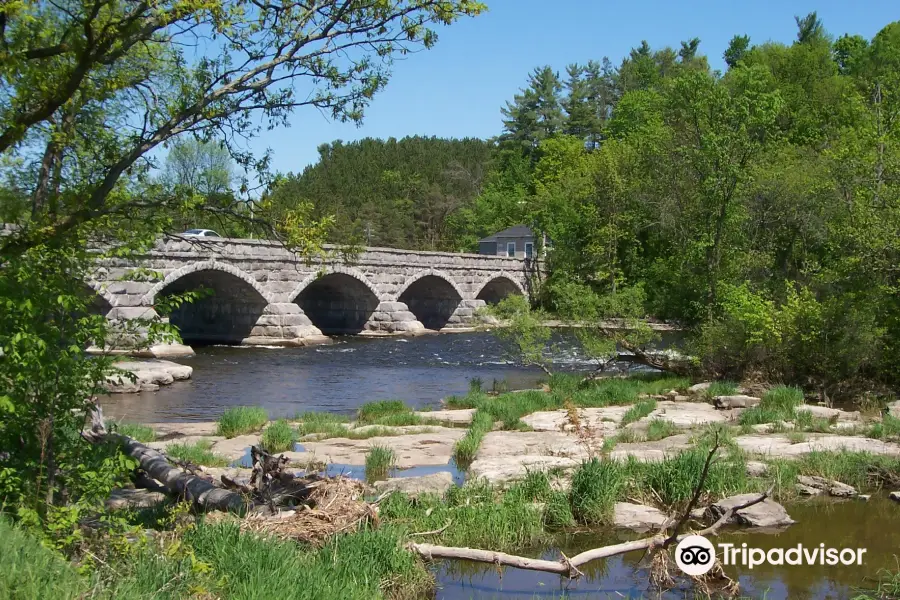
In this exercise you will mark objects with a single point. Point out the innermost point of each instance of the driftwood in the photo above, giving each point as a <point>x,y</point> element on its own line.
<point>570,566</point>
<point>176,481</point>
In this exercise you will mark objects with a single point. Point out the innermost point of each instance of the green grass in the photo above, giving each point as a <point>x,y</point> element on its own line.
<point>241,420</point>
<point>465,449</point>
<point>141,433</point>
<point>28,570</point>
<point>379,462</point>
<point>887,428</point>
<point>357,566</point>
<point>722,388</point>
<point>778,404</point>
<point>198,453</point>
<point>278,437</point>
<point>659,429</point>
<point>391,413</point>
<point>596,485</point>
<point>480,517</point>
<point>639,411</point>
<point>887,585</point>
<point>326,424</point>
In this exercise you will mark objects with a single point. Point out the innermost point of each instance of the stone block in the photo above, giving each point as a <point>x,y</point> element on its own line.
<point>296,320</point>
<point>390,307</point>
<point>402,315</point>
<point>404,326</point>
<point>131,312</point>
<point>282,308</point>
<point>380,316</point>
<point>128,287</point>
<point>269,320</point>
<point>464,312</point>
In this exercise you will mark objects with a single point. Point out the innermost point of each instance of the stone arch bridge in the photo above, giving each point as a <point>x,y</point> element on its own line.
<point>263,294</point>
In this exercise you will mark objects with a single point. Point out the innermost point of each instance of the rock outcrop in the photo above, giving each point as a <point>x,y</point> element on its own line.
<point>148,375</point>
<point>767,513</point>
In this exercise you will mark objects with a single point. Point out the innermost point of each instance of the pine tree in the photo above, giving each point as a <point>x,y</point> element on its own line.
<point>535,114</point>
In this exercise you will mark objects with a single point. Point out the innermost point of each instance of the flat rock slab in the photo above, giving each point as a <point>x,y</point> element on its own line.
<point>600,420</point>
<point>638,517</point>
<point>498,444</point>
<point>436,483</point>
<point>133,498</point>
<point>812,486</point>
<point>462,416</point>
<point>767,513</point>
<point>685,415</point>
<point>501,470</point>
<point>736,401</point>
<point>894,409</point>
<point>149,374</point>
<point>206,428</point>
<point>236,447</point>
<point>416,449</point>
<point>652,451</point>
<point>829,413</point>
<point>780,446</point>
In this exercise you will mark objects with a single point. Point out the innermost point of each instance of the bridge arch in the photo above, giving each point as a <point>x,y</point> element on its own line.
<point>340,301</point>
<point>432,296</point>
<point>497,287</point>
<point>225,314</point>
<point>101,301</point>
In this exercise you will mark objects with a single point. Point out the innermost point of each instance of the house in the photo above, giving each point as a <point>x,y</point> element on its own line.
<point>515,242</point>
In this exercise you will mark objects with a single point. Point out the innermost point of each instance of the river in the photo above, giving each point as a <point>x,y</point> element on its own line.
<point>337,378</point>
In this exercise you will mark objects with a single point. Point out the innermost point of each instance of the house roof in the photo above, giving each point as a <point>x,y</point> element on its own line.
<point>516,231</point>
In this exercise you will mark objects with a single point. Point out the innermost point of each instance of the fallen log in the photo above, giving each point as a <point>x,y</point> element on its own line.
<point>569,566</point>
<point>175,480</point>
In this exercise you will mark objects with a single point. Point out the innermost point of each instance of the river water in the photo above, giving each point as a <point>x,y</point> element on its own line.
<point>419,370</point>
<point>424,369</point>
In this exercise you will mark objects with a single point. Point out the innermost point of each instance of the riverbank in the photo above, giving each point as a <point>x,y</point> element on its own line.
<point>528,467</point>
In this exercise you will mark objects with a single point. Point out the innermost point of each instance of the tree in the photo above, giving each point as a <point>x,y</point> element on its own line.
<point>536,113</point>
<point>91,89</point>
<point>198,167</point>
<point>736,50</point>
<point>809,28</point>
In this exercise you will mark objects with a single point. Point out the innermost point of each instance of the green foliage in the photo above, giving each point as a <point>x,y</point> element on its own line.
<point>318,422</point>
<point>410,193</point>
<point>197,453</point>
<point>241,420</point>
<point>524,333</point>
<point>379,462</point>
<point>29,570</point>
<point>278,437</point>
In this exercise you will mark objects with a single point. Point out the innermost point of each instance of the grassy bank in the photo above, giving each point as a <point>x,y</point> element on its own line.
<point>216,561</point>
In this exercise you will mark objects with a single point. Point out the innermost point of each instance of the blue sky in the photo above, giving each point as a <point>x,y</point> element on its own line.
<point>457,88</point>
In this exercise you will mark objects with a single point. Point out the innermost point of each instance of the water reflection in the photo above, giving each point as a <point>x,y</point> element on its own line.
<point>853,524</point>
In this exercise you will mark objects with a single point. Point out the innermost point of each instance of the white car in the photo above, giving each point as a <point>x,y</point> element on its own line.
<point>200,233</point>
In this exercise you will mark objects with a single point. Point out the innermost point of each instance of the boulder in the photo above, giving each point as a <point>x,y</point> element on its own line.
<point>736,401</point>
<point>436,483</point>
<point>813,486</point>
<point>638,517</point>
<point>756,468</point>
<point>864,497</point>
<point>767,513</point>
<point>699,388</point>
<point>895,496</point>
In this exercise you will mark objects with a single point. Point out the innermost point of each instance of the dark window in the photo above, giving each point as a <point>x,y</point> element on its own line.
<point>529,249</point>
<point>510,248</point>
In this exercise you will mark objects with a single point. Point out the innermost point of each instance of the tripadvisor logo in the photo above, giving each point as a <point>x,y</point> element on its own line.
<point>695,555</point>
